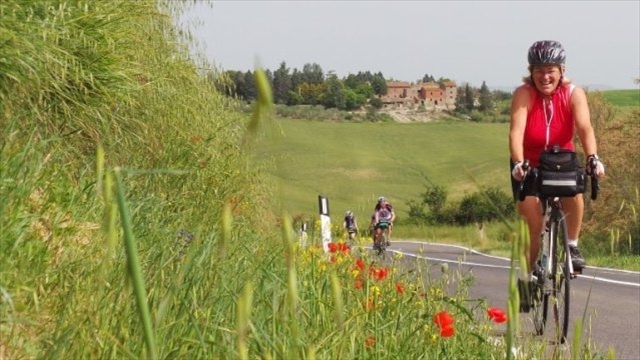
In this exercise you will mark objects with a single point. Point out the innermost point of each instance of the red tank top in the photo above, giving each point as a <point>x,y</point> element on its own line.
<point>539,134</point>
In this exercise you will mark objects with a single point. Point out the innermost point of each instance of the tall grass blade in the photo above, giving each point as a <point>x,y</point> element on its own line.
<point>134,268</point>
<point>243,321</point>
<point>263,106</point>
<point>226,223</point>
<point>292,281</point>
<point>513,304</point>
<point>577,339</point>
<point>338,306</point>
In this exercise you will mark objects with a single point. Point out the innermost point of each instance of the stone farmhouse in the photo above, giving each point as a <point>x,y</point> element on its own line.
<point>430,94</point>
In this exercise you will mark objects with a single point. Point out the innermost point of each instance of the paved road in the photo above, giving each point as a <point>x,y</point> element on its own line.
<point>609,298</point>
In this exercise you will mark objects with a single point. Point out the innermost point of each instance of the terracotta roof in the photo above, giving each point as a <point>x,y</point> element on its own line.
<point>398,84</point>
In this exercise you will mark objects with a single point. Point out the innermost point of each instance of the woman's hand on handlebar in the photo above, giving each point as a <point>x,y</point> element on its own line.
<point>520,174</point>
<point>595,165</point>
<point>520,169</point>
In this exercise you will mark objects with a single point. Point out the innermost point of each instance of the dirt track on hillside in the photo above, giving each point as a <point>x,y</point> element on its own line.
<point>413,116</point>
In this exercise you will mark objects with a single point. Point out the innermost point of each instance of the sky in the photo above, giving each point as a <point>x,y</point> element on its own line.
<point>465,41</point>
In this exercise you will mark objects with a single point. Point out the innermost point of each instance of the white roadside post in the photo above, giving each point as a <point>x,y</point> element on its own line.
<point>325,222</point>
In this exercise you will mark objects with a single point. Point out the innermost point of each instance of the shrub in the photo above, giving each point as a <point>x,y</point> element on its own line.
<point>613,217</point>
<point>486,205</point>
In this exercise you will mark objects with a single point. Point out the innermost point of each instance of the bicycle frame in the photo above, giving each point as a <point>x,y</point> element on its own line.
<point>553,217</point>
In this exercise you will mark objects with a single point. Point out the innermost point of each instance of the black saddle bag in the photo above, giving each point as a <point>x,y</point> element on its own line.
<point>560,174</point>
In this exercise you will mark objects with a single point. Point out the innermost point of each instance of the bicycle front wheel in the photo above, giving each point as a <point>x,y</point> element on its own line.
<point>380,243</point>
<point>540,304</point>
<point>383,244</point>
<point>561,278</point>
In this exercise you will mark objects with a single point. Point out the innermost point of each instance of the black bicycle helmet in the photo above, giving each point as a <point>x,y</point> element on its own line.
<point>546,52</point>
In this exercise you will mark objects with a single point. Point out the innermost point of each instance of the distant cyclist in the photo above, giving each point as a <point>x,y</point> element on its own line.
<point>350,224</point>
<point>383,212</point>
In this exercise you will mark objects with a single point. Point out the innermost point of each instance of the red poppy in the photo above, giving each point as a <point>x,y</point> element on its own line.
<point>370,304</point>
<point>360,264</point>
<point>370,341</point>
<point>333,247</point>
<point>379,274</point>
<point>497,315</point>
<point>443,319</point>
<point>383,273</point>
<point>400,288</point>
<point>343,247</point>
<point>358,284</point>
<point>447,331</point>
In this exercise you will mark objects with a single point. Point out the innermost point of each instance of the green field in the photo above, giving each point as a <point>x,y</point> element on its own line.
<point>354,163</point>
<point>623,98</point>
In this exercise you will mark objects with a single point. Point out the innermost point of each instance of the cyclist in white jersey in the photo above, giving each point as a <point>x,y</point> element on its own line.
<point>383,213</point>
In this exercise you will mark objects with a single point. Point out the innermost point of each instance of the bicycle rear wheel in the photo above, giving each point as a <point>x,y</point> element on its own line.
<point>561,278</point>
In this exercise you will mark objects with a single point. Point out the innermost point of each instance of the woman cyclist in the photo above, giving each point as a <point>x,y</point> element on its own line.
<point>548,110</point>
<point>382,212</point>
<point>350,224</point>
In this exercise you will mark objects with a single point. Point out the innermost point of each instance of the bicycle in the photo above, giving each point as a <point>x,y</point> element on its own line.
<point>351,236</point>
<point>554,269</point>
<point>381,238</point>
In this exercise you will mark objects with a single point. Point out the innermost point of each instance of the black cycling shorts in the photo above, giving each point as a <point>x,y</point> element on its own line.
<point>529,184</point>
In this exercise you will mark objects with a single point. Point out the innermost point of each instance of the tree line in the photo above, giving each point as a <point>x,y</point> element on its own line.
<point>311,86</point>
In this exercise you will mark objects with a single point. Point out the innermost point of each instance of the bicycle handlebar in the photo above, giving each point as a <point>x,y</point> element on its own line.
<point>595,185</point>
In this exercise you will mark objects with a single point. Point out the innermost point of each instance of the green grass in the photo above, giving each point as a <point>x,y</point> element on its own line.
<point>354,163</point>
<point>86,88</point>
<point>624,98</point>
<point>628,262</point>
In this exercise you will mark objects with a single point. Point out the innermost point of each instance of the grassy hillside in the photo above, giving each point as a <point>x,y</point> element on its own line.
<point>623,98</point>
<point>117,159</point>
<point>354,163</point>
